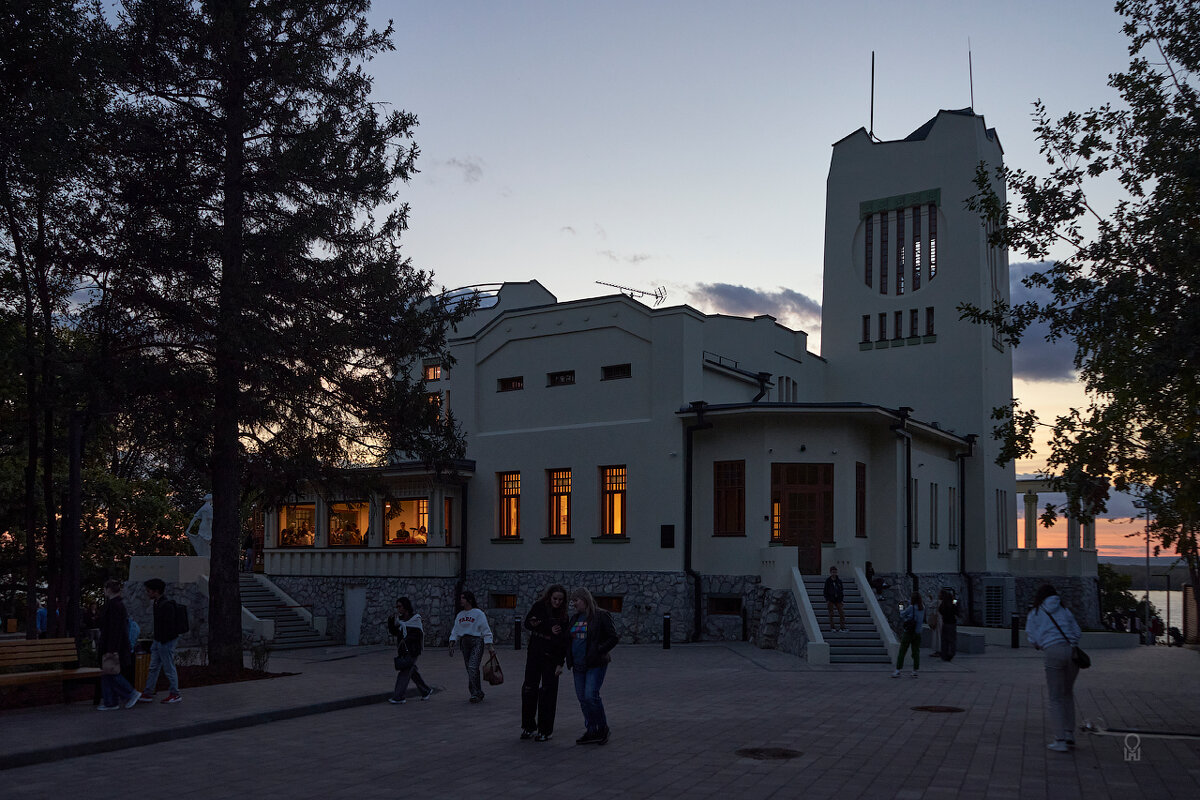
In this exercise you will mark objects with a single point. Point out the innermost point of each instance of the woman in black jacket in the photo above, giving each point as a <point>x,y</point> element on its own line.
<point>547,625</point>
<point>406,626</point>
<point>592,637</point>
<point>114,638</point>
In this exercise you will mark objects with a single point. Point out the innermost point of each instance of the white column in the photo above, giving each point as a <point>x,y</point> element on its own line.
<point>1072,534</point>
<point>321,534</point>
<point>1031,520</point>
<point>1089,535</point>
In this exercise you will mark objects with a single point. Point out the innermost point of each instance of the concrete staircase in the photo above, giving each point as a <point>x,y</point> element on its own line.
<point>292,631</point>
<point>862,644</point>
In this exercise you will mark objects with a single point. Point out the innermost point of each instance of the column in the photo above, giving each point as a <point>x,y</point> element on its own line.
<point>1089,535</point>
<point>1031,520</point>
<point>1072,534</point>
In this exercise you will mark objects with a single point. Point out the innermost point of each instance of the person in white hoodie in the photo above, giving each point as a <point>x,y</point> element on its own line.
<point>472,633</point>
<point>1053,630</point>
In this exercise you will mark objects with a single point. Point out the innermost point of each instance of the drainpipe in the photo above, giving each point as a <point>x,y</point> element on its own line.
<point>962,519</point>
<point>901,430</point>
<point>462,552</point>
<point>698,406</point>
<point>763,379</point>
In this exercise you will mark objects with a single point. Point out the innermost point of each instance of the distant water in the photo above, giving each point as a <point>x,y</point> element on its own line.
<point>1159,600</point>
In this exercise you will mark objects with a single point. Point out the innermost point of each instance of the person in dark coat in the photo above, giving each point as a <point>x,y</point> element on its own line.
<point>114,638</point>
<point>948,611</point>
<point>409,631</point>
<point>592,637</point>
<point>835,593</point>
<point>547,625</point>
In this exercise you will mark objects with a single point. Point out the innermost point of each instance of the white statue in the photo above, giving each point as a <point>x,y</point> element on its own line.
<point>202,539</point>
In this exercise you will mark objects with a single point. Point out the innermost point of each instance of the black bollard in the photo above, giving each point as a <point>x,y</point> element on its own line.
<point>1016,631</point>
<point>666,631</point>
<point>516,631</point>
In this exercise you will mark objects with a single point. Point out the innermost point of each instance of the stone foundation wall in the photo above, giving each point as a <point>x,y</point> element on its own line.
<point>777,625</point>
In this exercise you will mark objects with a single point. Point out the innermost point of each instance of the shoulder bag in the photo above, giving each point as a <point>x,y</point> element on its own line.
<point>110,664</point>
<point>1081,659</point>
<point>491,670</point>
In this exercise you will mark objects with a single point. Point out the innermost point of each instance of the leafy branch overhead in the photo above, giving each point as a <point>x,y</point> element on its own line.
<point>1122,277</point>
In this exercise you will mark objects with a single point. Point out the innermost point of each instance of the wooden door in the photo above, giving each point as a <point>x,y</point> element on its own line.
<point>803,495</point>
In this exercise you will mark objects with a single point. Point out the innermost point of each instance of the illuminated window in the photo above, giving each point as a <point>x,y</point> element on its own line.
<point>297,525</point>
<point>900,266</point>
<point>433,372</point>
<point>566,378</point>
<point>898,322</point>
<point>347,524</point>
<point>503,601</point>
<point>406,521</point>
<point>916,282</point>
<point>883,326</point>
<point>870,248</point>
<point>929,321</point>
<point>560,501</point>
<point>883,252</point>
<point>729,498</point>
<point>866,332</point>
<point>614,372</point>
<point>776,520</point>
<point>914,323</point>
<point>514,384</point>
<point>510,504</point>
<point>612,501</point>
<point>932,241</point>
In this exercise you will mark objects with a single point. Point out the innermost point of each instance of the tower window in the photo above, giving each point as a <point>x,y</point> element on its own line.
<point>866,330</point>
<point>914,323</point>
<point>932,241</point>
<point>513,384</point>
<point>898,325</point>
<point>900,252</point>
<point>929,321</point>
<point>883,252</point>
<point>883,326</point>
<point>870,248</point>
<point>916,281</point>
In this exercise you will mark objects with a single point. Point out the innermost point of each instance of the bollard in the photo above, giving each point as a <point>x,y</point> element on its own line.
<point>1016,631</point>
<point>666,631</point>
<point>516,631</point>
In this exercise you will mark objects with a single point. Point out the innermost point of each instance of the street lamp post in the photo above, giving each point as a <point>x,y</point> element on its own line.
<point>1142,504</point>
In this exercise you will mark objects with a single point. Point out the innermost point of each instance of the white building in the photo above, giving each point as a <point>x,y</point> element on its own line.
<point>683,463</point>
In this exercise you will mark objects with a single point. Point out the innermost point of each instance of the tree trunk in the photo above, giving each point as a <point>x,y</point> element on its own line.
<point>72,567</point>
<point>225,625</point>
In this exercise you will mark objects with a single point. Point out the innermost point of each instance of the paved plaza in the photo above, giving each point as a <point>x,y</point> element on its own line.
<point>679,719</point>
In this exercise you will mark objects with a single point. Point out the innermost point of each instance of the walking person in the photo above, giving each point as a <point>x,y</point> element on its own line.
<point>948,618</point>
<point>1053,630</point>
<point>162,649</point>
<point>547,625</point>
<point>933,617</point>
<point>115,690</point>
<point>405,624</point>
<point>835,593</point>
<point>912,619</point>
<point>592,637</point>
<point>472,633</point>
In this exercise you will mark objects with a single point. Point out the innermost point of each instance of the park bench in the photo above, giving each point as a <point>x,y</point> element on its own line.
<point>58,659</point>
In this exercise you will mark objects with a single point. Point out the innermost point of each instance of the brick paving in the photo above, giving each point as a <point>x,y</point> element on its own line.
<point>678,717</point>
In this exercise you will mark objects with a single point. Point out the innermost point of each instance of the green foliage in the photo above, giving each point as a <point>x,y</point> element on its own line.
<point>1114,589</point>
<point>1124,285</point>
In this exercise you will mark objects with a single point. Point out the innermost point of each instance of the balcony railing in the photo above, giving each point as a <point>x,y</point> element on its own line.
<point>415,562</point>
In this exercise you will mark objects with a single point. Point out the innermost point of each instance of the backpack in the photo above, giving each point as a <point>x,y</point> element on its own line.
<point>135,631</point>
<point>181,619</point>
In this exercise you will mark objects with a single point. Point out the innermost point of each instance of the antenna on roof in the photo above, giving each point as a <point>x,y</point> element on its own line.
<point>658,294</point>
<point>971,74</point>
<point>871,131</point>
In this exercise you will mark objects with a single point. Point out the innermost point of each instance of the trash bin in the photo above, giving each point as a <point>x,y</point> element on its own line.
<point>10,624</point>
<point>141,670</point>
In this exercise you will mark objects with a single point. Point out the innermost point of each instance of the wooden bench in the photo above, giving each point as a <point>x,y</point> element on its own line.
<point>26,653</point>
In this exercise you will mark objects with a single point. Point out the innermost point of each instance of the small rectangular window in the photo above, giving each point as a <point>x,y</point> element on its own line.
<point>929,321</point>
<point>914,323</point>
<point>611,603</point>
<point>615,372</point>
<point>510,504</point>
<point>560,502</point>
<point>900,267</point>
<point>731,606</point>
<point>500,600</point>
<point>883,326</point>
<point>612,501</point>
<point>933,514</point>
<point>514,384</point>
<point>916,532</point>
<point>433,372</point>
<point>860,500</point>
<point>898,322</point>
<point>565,378</point>
<point>952,515</point>
<point>866,332</point>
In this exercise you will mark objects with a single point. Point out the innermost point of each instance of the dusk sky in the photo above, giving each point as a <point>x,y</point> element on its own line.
<point>686,144</point>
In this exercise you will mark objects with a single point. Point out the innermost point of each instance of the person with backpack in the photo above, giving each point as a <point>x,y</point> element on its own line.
<point>406,626</point>
<point>912,620</point>
<point>170,620</point>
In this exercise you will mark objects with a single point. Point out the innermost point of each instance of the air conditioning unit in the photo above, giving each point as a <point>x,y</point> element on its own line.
<point>999,601</point>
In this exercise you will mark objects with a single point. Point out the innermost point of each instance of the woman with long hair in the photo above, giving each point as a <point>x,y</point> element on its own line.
<point>547,625</point>
<point>1053,630</point>
<point>592,637</point>
<point>912,619</point>
<point>472,633</point>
